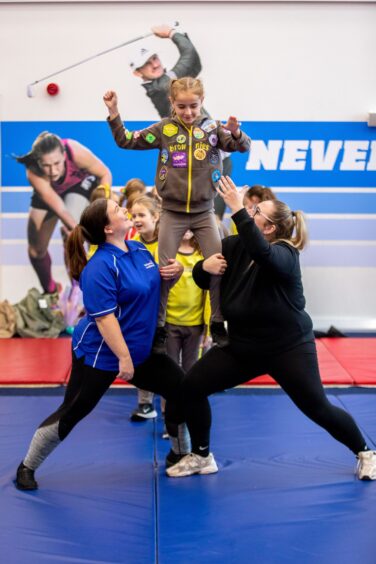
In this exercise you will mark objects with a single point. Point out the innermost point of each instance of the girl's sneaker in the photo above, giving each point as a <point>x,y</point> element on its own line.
<point>143,412</point>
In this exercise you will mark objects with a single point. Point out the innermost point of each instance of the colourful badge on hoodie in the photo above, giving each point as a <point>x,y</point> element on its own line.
<point>170,129</point>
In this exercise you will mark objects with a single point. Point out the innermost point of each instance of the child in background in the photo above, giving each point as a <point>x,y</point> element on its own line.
<point>253,196</point>
<point>134,188</point>
<point>185,322</point>
<point>104,191</point>
<point>256,194</point>
<point>145,215</point>
<point>189,168</point>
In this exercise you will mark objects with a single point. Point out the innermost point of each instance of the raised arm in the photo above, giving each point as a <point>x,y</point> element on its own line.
<point>143,140</point>
<point>281,258</point>
<point>189,63</point>
<point>86,160</point>
<point>231,138</point>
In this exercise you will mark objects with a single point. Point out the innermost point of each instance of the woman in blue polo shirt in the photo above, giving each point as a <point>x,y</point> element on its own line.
<point>121,288</point>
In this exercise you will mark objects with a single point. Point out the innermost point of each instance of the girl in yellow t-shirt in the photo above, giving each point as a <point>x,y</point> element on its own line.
<point>186,303</point>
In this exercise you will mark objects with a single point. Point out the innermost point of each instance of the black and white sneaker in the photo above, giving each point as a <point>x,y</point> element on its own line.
<point>143,412</point>
<point>25,478</point>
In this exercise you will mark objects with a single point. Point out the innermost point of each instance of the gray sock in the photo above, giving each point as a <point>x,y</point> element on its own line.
<point>181,444</point>
<point>44,441</point>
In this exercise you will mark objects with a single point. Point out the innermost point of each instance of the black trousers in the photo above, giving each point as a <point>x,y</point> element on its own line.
<point>158,374</point>
<point>295,370</point>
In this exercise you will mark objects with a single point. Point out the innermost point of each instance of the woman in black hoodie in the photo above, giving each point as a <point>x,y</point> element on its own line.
<point>269,331</point>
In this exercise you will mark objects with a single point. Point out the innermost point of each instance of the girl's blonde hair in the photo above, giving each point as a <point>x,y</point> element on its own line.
<point>185,84</point>
<point>290,225</point>
<point>152,205</point>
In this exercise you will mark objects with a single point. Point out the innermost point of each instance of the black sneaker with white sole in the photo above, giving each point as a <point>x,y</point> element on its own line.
<point>143,412</point>
<point>25,478</point>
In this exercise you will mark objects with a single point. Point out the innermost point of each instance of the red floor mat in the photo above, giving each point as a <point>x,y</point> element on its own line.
<point>344,362</point>
<point>34,361</point>
<point>356,356</point>
<point>332,373</point>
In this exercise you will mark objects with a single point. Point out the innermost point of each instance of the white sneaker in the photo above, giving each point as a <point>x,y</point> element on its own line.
<point>193,464</point>
<point>366,467</point>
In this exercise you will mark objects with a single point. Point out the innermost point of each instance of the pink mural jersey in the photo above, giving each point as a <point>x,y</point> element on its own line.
<point>73,175</point>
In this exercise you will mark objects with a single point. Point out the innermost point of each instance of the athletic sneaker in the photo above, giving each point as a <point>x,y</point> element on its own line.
<point>366,468</point>
<point>25,478</point>
<point>143,412</point>
<point>193,464</point>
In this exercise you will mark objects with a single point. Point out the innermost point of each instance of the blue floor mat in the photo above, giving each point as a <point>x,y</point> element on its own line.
<point>96,498</point>
<point>285,493</point>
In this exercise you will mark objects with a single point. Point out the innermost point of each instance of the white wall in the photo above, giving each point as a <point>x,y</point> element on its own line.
<point>298,61</point>
<point>261,61</point>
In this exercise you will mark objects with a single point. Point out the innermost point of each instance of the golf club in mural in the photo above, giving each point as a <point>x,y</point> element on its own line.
<point>29,88</point>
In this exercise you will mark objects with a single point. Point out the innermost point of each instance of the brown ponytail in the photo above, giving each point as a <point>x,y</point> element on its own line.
<point>76,254</point>
<point>91,228</point>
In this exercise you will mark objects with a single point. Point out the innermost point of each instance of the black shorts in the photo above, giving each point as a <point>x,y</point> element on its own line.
<point>83,188</point>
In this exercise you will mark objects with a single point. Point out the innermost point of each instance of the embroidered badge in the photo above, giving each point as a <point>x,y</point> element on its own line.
<point>216,175</point>
<point>198,133</point>
<point>179,159</point>
<point>163,173</point>
<point>164,156</point>
<point>170,129</point>
<point>209,125</point>
<point>181,139</point>
<point>214,156</point>
<point>199,154</point>
<point>213,140</point>
<point>150,138</point>
<point>128,134</point>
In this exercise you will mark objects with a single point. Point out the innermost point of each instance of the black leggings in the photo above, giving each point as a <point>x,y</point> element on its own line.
<point>159,374</point>
<point>296,371</point>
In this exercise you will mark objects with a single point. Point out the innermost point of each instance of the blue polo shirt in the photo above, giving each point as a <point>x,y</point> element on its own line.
<point>126,284</point>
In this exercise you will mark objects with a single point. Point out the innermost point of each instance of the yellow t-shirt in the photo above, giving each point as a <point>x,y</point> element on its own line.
<point>187,304</point>
<point>186,300</point>
<point>151,247</point>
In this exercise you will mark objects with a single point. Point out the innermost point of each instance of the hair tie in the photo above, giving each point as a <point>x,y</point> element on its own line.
<point>107,190</point>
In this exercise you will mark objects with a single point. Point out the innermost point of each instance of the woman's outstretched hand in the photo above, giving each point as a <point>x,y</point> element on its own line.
<point>216,264</point>
<point>230,194</point>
